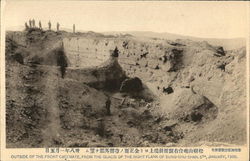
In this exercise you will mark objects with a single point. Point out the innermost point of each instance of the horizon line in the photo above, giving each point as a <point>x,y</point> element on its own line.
<point>107,31</point>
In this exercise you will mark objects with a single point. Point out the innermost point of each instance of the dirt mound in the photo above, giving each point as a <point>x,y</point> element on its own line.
<point>184,105</point>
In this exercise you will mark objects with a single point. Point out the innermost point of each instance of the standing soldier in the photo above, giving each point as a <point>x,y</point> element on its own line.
<point>57,26</point>
<point>40,25</point>
<point>30,23</point>
<point>100,130</point>
<point>26,26</point>
<point>108,102</point>
<point>74,28</point>
<point>34,23</point>
<point>49,24</point>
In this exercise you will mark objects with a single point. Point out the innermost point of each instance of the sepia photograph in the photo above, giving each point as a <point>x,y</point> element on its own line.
<point>125,74</point>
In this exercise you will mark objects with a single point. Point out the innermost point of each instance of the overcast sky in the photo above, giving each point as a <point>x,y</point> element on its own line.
<point>200,19</point>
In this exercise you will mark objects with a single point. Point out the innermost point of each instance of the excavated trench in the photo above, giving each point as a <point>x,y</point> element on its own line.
<point>133,112</point>
<point>131,122</point>
<point>128,98</point>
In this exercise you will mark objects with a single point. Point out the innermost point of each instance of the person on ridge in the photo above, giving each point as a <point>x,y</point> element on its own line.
<point>49,24</point>
<point>57,26</point>
<point>40,25</point>
<point>107,106</point>
<point>30,23</point>
<point>74,28</point>
<point>26,26</point>
<point>34,23</point>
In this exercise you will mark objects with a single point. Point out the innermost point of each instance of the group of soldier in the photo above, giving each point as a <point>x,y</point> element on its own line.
<point>32,24</point>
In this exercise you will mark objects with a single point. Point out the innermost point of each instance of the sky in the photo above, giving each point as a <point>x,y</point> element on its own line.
<point>200,19</point>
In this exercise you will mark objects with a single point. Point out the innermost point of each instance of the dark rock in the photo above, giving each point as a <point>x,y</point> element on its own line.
<point>196,116</point>
<point>115,53</point>
<point>157,120</point>
<point>35,60</point>
<point>157,67</point>
<point>57,142</point>
<point>220,51</point>
<point>84,144</point>
<point>206,111</point>
<point>144,55</point>
<point>168,90</point>
<point>167,128</point>
<point>175,59</point>
<point>131,85</point>
<point>125,44</point>
<point>18,57</point>
<point>131,123</point>
<point>222,67</point>
<point>176,44</point>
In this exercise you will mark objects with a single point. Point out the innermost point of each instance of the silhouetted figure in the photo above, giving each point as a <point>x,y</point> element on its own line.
<point>62,62</point>
<point>74,28</point>
<point>57,26</point>
<point>26,26</point>
<point>49,24</point>
<point>108,103</point>
<point>40,25</point>
<point>30,23</point>
<point>100,130</point>
<point>34,23</point>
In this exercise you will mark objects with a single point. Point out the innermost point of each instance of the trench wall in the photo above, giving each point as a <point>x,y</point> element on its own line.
<point>150,60</point>
<point>157,63</point>
<point>137,58</point>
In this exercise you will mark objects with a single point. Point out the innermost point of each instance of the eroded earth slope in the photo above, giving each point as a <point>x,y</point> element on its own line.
<point>60,88</point>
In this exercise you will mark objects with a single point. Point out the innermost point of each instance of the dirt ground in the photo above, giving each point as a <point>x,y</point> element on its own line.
<point>194,96</point>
